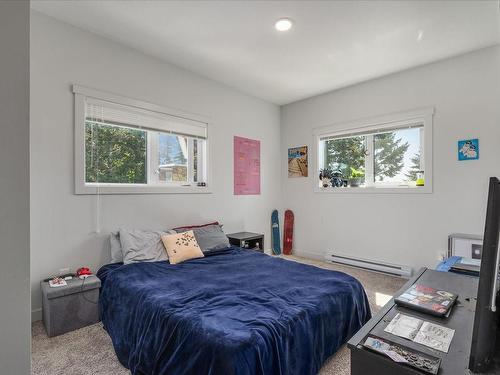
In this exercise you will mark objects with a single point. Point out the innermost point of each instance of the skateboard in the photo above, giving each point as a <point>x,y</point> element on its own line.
<point>288,232</point>
<point>275,233</point>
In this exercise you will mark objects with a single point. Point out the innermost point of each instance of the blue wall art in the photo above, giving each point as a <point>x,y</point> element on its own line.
<point>468,149</point>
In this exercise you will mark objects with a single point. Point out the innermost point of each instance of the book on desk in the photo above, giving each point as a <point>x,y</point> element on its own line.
<point>427,299</point>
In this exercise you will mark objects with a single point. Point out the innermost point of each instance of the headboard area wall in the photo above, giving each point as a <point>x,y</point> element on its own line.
<point>63,224</point>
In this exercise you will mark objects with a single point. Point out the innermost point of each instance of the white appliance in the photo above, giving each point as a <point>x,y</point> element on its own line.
<point>465,245</point>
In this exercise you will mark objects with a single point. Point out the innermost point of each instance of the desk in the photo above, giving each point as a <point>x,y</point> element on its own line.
<point>461,319</point>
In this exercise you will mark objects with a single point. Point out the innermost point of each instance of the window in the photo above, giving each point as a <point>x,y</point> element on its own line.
<point>126,146</point>
<point>115,154</point>
<point>178,159</point>
<point>390,152</point>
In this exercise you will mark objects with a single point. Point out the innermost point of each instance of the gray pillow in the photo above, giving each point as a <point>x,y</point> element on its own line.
<point>116,247</point>
<point>209,238</point>
<point>142,245</point>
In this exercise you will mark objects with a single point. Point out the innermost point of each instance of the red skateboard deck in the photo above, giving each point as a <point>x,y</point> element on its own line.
<point>288,233</point>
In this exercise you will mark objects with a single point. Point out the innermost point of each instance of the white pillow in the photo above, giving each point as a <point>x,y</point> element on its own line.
<point>142,245</point>
<point>116,247</point>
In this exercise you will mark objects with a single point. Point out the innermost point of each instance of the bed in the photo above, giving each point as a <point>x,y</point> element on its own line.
<point>235,311</point>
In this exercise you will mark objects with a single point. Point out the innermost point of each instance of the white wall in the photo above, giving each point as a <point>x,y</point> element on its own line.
<point>402,228</point>
<point>408,229</point>
<point>63,224</point>
<point>15,333</point>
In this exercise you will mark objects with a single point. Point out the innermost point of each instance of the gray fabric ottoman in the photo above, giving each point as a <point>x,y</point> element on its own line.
<point>70,307</point>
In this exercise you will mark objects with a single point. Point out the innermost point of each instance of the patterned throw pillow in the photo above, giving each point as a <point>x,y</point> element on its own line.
<point>181,247</point>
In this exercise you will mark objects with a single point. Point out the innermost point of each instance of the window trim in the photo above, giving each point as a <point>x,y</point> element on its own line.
<point>423,115</point>
<point>82,188</point>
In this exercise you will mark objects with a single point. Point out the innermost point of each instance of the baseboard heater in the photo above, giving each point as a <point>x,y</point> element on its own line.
<point>371,265</point>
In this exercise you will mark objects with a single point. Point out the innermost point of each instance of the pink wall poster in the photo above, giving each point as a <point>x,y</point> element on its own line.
<point>246,166</point>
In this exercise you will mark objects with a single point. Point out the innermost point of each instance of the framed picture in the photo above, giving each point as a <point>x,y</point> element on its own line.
<point>468,149</point>
<point>297,162</point>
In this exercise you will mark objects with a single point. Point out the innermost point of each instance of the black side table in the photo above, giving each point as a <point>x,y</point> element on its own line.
<point>247,240</point>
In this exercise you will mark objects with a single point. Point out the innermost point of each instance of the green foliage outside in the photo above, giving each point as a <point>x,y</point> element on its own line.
<point>114,154</point>
<point>195,160</point>
<point>344,154</point>
<point>348,155</point>
<point>415,167</point>
<point>389,155</point>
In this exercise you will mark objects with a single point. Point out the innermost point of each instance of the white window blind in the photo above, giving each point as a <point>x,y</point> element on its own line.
<point>111,113</point>
<point>128,146</point>
<point>371,131</point>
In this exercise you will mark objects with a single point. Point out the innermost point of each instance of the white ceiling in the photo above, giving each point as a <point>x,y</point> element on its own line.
<point>333,44</point>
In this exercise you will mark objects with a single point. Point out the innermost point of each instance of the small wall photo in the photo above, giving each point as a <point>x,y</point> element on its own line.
<point>297,162</point>
<point>468,149</point>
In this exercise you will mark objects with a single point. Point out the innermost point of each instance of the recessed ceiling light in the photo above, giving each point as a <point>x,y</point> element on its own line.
<point>283,24</point>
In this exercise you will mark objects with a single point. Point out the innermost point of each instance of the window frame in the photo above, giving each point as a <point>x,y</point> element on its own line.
<point>384,122</point>
<point>83,188</point>
<point>153,145</point>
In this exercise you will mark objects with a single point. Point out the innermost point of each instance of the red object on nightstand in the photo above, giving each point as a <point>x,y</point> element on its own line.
<point>83,272</point>
<point>288,233</point>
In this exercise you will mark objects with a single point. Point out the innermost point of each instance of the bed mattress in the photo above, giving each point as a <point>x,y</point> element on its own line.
<point>233,312</point>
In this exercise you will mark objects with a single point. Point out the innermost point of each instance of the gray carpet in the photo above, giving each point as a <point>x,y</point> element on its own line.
<point>89,351</point>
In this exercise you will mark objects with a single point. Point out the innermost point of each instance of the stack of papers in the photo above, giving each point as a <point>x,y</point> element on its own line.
<point>471,262</point>
<point>57,282</point>
<point>429,334</point>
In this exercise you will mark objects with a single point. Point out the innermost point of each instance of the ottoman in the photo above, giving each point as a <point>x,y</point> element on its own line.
<point>69,307</point>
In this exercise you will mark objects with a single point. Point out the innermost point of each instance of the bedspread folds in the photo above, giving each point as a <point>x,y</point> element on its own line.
<point>234,312</point>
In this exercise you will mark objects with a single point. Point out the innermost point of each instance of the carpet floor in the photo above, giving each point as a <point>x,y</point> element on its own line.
<point>89,351</point>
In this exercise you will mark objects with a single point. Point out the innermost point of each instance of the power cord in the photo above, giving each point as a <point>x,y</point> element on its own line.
<point>82,292</point>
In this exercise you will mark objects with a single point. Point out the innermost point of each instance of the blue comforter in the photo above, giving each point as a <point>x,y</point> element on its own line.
<point>233,312</point>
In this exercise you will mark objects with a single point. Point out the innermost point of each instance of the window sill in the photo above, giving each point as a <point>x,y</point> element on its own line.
<point>375,190</point>
<point>109,190</point>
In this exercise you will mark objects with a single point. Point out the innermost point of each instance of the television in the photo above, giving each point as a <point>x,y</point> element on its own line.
<point>486,315</point>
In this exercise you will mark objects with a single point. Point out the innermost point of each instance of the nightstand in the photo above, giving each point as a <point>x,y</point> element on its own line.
<point>69,307</point>
<point>247,240</point>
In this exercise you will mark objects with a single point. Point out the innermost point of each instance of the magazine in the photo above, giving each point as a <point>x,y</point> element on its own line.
<point>429,334</point>
<point>426,299</point>
<point>57,282</point>
<point>404,326</point>
<point>435,336</point>
<point>383,348</point>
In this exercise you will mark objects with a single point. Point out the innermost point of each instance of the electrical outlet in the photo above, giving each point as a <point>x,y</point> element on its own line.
<point>63,271</point>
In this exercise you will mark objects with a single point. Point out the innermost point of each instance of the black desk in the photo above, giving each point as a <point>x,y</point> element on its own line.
<point>461,319</point>
<point>247,240</point>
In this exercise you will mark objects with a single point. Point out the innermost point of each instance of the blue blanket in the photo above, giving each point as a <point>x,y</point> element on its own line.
<point>233,312</point>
